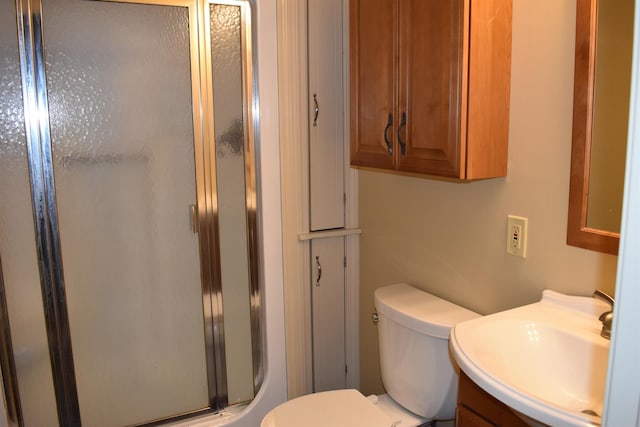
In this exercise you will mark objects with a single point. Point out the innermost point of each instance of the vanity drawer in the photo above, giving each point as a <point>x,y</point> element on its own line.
<point>467,418</point>
<point>477,408</point>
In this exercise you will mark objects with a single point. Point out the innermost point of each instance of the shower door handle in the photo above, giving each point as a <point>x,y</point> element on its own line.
<point>319,270</point>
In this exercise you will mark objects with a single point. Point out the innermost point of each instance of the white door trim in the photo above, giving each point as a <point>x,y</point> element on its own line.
<point>622,397</point>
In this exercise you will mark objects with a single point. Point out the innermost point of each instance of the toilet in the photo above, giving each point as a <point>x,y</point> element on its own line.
<point>417,370</point>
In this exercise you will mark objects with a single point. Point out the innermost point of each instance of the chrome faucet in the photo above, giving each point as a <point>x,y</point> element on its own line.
<point>607,317</point>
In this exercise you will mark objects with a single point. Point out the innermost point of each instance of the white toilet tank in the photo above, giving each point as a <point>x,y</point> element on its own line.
<point>413,335</point>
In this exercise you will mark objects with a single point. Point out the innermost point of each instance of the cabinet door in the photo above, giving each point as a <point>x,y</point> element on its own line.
<point>326,107</point>
<point>373,76</point>
<point>489,88</point>
<point>476,405</point>
<point>431,86</point>
<point>327,294</point>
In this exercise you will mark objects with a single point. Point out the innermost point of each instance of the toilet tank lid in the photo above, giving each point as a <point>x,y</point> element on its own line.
<point>419,310</point>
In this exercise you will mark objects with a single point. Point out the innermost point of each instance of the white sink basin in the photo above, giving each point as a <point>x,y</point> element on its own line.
<point>545,360</point>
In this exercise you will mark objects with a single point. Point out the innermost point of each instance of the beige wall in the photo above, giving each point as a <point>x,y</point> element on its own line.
<point>449,238</point>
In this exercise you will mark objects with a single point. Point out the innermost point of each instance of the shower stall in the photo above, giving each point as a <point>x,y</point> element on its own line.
<point>129,275</point>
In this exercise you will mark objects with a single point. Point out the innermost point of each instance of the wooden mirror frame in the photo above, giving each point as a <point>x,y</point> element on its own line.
<point>578,234</point>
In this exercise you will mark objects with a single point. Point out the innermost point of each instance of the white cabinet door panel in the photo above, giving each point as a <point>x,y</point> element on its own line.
<point>327,294</point>
<point>326,110</point>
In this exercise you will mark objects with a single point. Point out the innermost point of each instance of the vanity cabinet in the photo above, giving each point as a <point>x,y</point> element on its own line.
<point>430,84</point>
<point>477,408</point>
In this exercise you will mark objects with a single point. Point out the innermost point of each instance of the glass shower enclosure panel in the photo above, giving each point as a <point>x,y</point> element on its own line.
<point>129,268</point>
<point>119,81</point>
<point>234,190</point>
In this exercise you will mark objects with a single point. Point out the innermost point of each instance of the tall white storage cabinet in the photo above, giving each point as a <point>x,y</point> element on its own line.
<point>319,197</point>
<point>327,197</point>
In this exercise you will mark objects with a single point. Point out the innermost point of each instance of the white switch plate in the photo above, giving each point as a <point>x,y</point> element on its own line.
<point>517,235</point>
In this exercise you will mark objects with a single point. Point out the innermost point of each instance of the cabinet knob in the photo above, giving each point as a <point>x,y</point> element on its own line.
<point>386,134</point>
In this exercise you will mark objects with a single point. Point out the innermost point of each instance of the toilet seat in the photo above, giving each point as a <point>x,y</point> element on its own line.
<point>336,408</point>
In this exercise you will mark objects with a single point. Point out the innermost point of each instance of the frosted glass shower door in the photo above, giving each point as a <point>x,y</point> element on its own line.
<point>119,81</point>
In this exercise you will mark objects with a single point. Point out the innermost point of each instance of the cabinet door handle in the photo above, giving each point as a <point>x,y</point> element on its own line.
<point>316,109</point>
<point>386,134</point>
<point>403,145</point>
<point>319,269</point>
<point>193,218</point>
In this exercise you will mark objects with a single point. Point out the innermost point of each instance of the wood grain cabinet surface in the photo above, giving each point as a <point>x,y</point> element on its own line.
<point>477,408</point>
<point>430,84</point>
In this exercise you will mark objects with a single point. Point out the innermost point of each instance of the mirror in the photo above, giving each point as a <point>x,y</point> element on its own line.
<point>604,39</point>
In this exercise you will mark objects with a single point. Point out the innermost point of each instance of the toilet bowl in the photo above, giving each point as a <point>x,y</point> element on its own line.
<point>341,408</point>
<point>417,370</point>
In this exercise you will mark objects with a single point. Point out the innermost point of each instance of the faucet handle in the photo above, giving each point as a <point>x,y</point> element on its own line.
<point>604,296</point>
<point>607,317</point>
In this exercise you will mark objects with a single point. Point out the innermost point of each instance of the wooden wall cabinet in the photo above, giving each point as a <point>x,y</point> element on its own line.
<point>430,83</point>
<point>477,408</point>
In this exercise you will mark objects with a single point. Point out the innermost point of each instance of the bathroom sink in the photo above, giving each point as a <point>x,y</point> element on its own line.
<point>546,360</point>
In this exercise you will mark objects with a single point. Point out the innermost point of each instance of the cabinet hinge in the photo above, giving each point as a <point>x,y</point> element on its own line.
<point>345,262</point>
